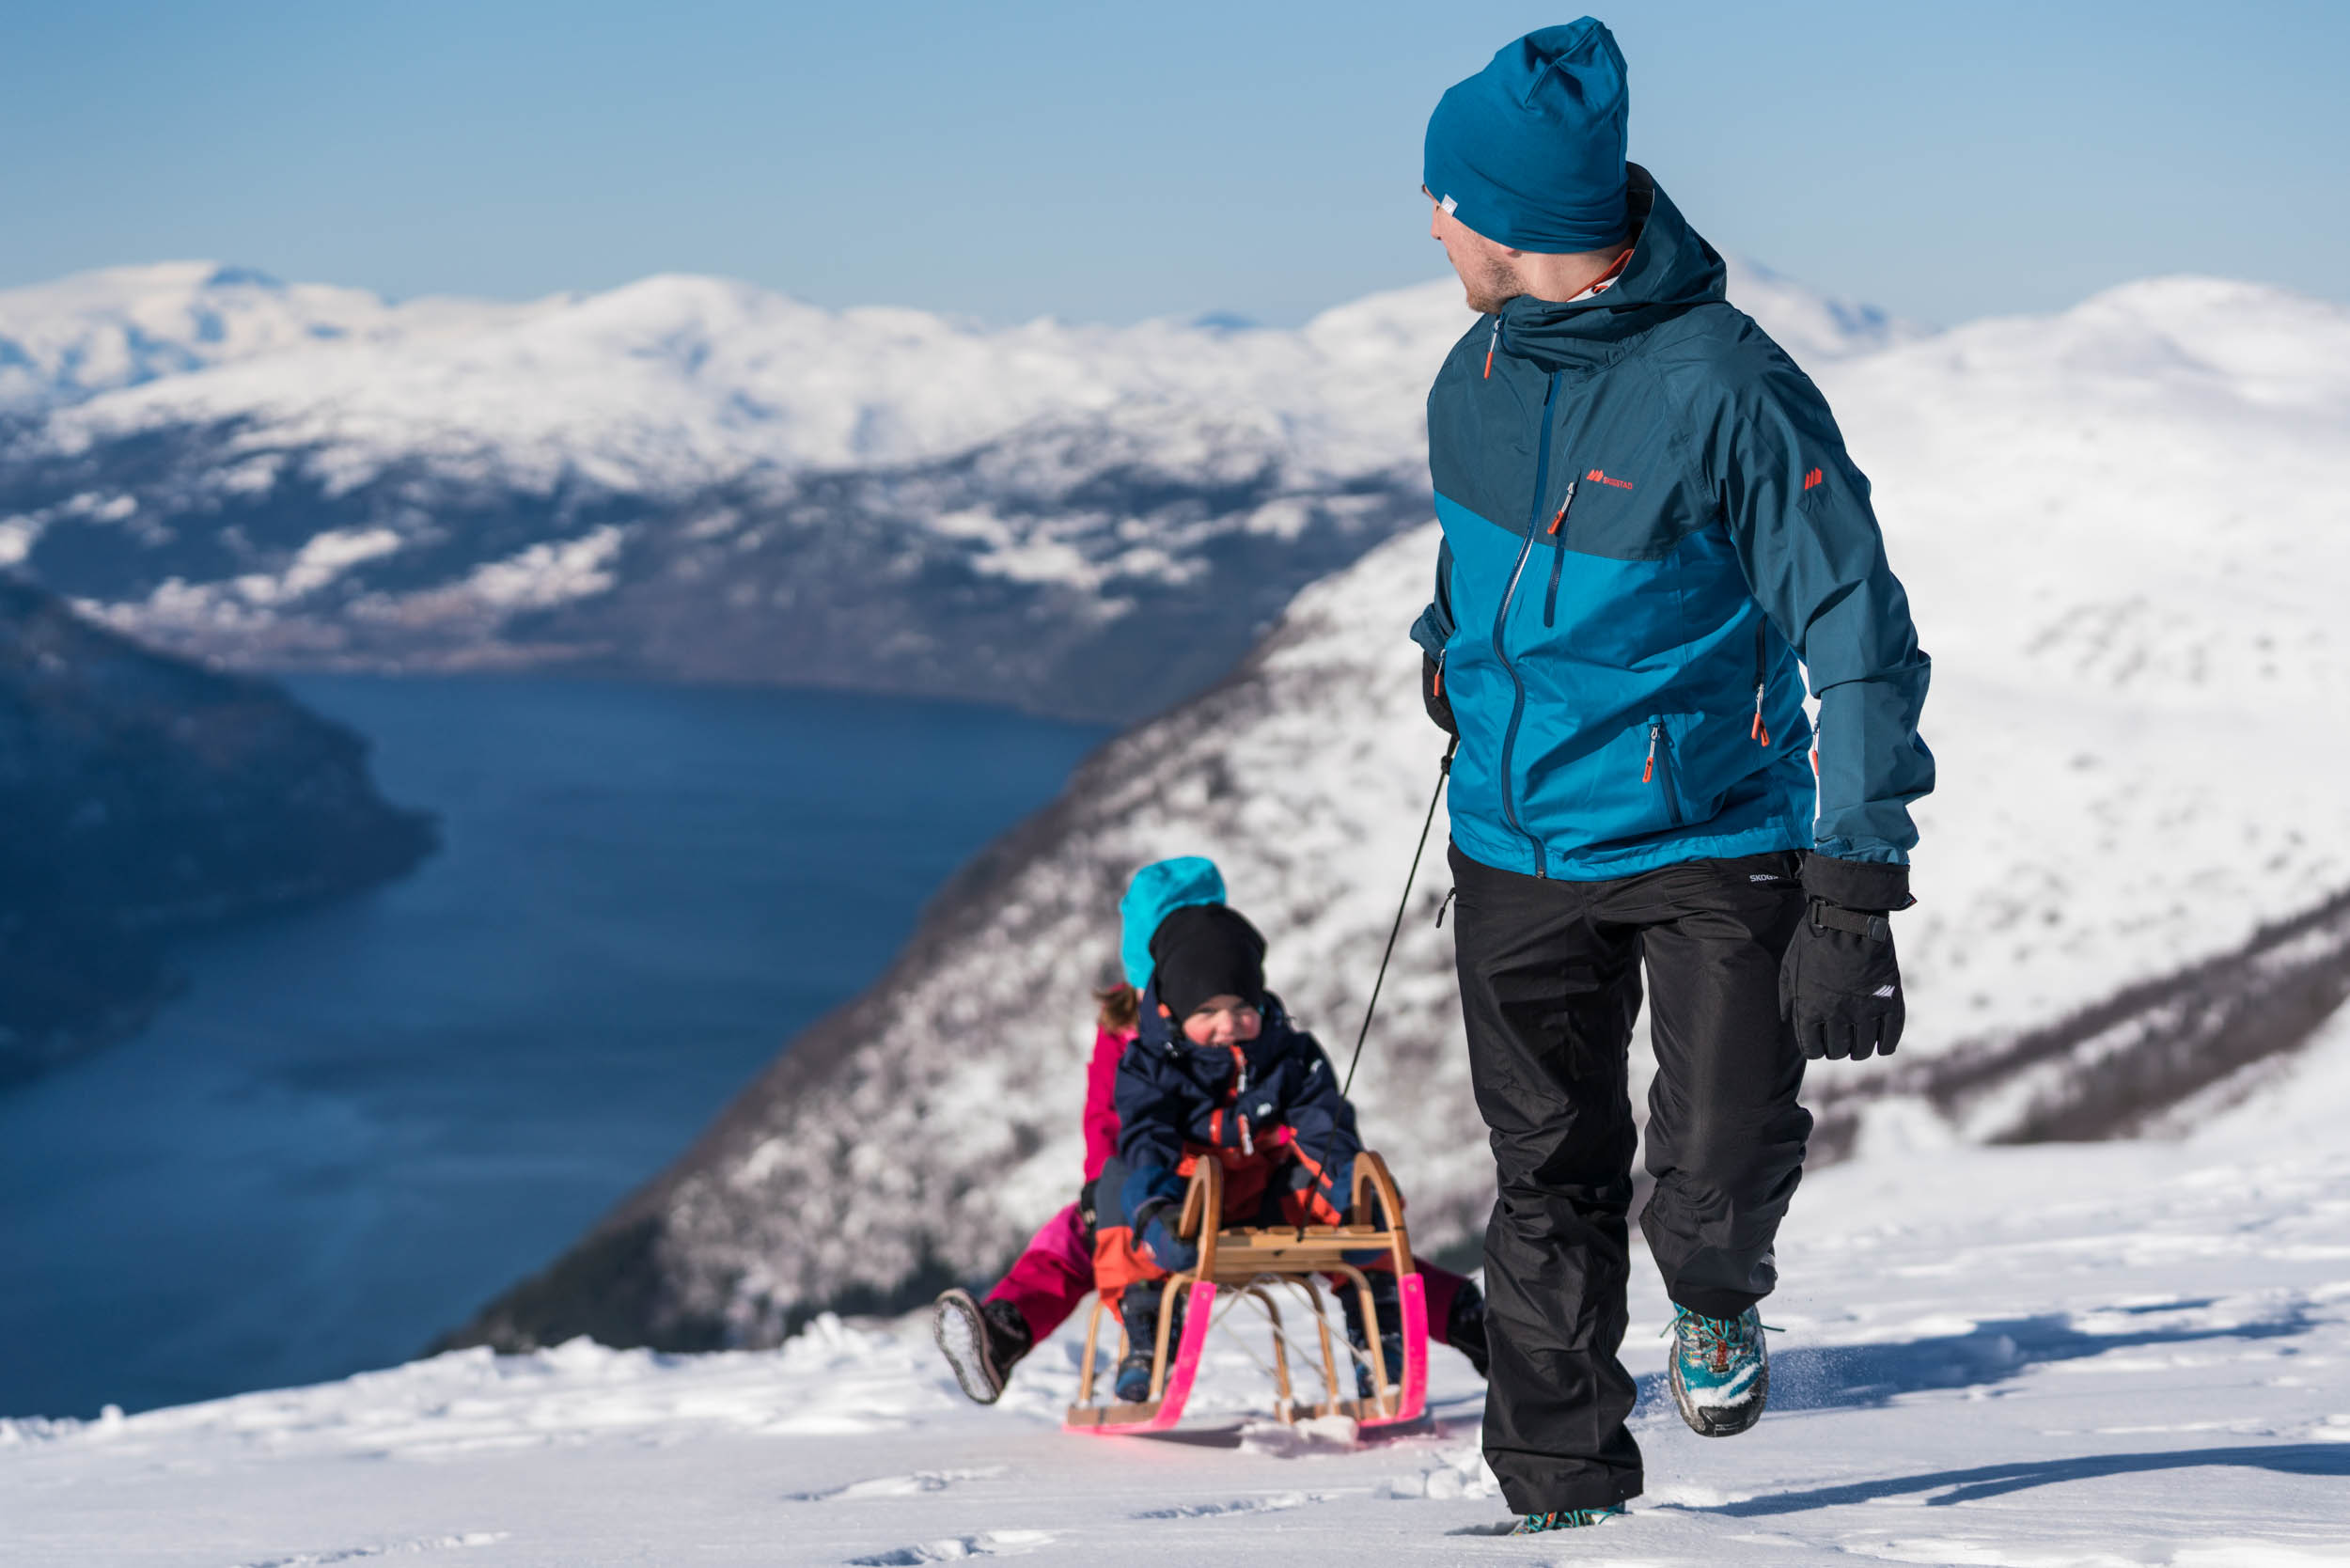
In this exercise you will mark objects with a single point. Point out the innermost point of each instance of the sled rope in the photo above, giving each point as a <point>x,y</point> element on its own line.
<point>1304,1353</point>
<point>1444,771</point>
<point>1245,1348</point>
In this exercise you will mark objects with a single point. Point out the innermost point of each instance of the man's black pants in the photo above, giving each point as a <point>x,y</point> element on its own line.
<point>1550,985</point>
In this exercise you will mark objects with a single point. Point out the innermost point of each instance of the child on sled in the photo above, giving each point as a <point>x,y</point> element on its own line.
<point>1217,1071</point>
<point>983,1340</point>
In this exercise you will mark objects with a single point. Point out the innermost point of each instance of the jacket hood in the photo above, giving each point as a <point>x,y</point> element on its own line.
<point>1672,269</point>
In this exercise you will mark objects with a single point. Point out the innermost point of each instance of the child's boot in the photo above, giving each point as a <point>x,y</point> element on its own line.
<point>1385,1302</point>
<point>1139,1308</point>
<point>981,1339</point>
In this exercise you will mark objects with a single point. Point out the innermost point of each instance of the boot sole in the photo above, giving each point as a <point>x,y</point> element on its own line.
<point>1723,1420</point>
<point>962,1337</point>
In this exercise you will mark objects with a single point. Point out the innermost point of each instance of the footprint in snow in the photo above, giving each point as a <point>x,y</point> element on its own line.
<point>1273,1502</point>
<point>995,1542</point>
<point>390,1548</point>
<point>896,1487</point>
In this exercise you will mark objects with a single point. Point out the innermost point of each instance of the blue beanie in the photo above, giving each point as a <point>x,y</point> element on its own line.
<point>1158,890</point>
<point>1529,151</point>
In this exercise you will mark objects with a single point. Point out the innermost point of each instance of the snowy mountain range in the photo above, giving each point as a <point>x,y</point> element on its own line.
<point>2123,531</point>
<point>692,477</point>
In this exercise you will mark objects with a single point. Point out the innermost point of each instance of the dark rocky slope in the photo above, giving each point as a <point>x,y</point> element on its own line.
<point>141,796</point>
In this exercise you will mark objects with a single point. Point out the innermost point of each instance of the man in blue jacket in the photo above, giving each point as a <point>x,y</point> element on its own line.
<point>1651,532</point>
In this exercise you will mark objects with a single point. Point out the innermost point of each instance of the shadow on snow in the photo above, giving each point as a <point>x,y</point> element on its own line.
<point>1992,1481</point>
<point>1848,1377</point>
<point>1834,1377</point>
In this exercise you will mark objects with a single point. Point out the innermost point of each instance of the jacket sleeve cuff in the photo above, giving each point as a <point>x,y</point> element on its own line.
<point>1868,884</point>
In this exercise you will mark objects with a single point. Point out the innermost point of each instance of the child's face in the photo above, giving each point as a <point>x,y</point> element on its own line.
<point>1223,1021</point>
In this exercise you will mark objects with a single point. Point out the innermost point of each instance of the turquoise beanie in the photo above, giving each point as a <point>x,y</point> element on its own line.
<point>1158,889</point>
<point>1529,151</point>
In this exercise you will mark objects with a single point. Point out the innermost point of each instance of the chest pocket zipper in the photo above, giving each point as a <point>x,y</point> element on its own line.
<point>1558,554</point>
<point>1659,741</point>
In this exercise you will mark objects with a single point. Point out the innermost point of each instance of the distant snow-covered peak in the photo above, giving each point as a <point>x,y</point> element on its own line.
<point>119,326</point>
<point>1810,326</point>
<point>2257,350</point>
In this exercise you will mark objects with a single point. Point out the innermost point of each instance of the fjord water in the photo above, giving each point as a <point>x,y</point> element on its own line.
<point>361,1121</point>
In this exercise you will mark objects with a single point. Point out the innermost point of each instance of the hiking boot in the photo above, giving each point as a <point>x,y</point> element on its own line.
<point>1464,1326</point>
<point>1567,1519</point>
<point>981,1339</point>
<point>1721,1373</point>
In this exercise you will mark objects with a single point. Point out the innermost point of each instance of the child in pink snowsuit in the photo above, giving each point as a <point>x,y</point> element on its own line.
<point>983,1339</point>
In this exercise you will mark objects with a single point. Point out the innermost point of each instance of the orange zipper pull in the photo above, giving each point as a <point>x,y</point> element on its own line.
<point>1761,734</point>
<point>1649,773</point>
<point>1492,343</point>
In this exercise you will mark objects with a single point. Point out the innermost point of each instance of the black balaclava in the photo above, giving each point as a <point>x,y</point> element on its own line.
<point>1204,950</point>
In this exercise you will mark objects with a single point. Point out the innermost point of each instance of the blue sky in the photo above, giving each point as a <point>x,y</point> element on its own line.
<point>1112,161</point>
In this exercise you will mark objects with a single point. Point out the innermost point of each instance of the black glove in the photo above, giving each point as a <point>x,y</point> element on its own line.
<point>1432,694</point>
<point>1085,1209</point>
<point>1840,984</point>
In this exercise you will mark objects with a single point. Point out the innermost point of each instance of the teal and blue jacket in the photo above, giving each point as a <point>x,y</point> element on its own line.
<point>1651,531</point>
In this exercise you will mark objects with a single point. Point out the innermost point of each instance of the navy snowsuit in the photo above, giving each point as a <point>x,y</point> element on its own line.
<point>1648,521</point>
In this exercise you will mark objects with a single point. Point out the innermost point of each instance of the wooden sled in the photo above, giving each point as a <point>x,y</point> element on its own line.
<point>1248,1261</point>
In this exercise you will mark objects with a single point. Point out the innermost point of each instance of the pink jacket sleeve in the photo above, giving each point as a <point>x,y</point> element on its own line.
<point>1101,1099</point>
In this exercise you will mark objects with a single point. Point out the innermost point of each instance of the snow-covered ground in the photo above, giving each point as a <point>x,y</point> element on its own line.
<point>2052,1357</point>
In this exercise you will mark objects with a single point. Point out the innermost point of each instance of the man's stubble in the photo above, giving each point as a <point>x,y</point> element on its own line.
<point>1490,282</point>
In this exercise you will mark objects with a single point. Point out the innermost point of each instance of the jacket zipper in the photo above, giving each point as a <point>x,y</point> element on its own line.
<point>1501,616</point>
<point>1558,554</point>
<point>1761,732</point>
<point>1659,741</point>
<point>1491,344</point>
<point>1240,1105</point>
